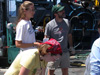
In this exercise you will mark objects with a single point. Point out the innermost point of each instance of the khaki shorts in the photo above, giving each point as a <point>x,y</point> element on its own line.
<point>63,62</point>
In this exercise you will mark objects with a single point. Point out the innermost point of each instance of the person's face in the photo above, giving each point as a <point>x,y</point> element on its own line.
<point>49,58</point>
<point>30,12</point>
<point>61,14</point>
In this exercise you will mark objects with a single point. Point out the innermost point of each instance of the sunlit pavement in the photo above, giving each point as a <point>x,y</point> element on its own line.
<point>2,71</point>
<point>73,70</point>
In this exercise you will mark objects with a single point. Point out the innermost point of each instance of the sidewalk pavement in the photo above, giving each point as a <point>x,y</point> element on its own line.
<point>72,71</point>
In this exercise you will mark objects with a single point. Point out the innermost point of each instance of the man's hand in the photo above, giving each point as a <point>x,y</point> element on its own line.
<point>72,50</point>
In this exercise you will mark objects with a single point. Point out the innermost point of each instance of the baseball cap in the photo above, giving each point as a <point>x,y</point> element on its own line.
<point>55,47</point>
<point>57,8</point>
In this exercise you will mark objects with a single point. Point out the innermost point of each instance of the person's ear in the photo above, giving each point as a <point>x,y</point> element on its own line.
<point>55,14</point>
<point>24,10</point>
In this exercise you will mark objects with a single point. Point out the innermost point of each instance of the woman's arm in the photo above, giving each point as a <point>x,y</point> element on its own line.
<point>24,71</point>
<point>19,44</point>
<point>70,40</point>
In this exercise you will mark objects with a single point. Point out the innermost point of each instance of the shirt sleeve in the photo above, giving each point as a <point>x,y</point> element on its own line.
<point>28,61</point>
<point>96,52</point>
<point>20,32</point>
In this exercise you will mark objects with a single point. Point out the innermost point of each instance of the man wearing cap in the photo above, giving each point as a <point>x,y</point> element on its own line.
<point>59,29</point>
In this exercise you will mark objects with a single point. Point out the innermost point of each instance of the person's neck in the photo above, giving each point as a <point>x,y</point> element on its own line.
<point>27,19</point>
<point>59,19</point>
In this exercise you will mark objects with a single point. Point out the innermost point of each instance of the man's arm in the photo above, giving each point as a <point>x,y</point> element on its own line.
<point>45,36</point>
<point>71,43</point>
<point>70,40</point>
